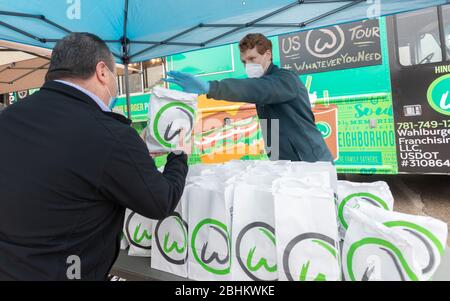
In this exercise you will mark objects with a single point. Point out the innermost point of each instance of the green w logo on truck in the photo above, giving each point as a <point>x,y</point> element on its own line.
<point>438,95</point>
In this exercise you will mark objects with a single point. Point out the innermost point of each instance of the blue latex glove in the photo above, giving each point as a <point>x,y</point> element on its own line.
<point>187,82</point>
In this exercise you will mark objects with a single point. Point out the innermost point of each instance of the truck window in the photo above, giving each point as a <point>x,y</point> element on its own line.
<point>153,71</point>
<point>418,37</point>
<point>446,26</point>
<point>136,81</point>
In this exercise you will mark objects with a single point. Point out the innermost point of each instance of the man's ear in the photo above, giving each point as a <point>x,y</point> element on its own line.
<point>271,54</point>
<point>101,72</point>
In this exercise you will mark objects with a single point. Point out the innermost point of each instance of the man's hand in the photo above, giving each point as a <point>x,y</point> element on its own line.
<point>142,135</point>
<point>187,82</point>
<point>154,155</point>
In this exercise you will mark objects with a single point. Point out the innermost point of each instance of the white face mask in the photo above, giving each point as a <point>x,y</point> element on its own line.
<point>254,70</point>
<point>257,70</point>
<point>112,99</point>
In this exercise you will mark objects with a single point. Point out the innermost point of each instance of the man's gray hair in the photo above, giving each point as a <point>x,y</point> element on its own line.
<point>77,55</point>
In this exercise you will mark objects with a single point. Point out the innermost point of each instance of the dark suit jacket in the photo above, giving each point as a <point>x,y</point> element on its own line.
<point>279,94</point>
<point>68,170</point>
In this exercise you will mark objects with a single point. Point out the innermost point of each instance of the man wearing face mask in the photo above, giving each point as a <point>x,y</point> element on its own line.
<point>278,95</point>
<point>69,167</point>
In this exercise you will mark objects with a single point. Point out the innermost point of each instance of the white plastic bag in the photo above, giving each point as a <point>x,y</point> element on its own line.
<point>169,111</point>
<point>306,232</point>
<point>138,232</point>
<point>123,241</point>
<point>373,251</point>
<point>315,174</point>
<point>209,238</point>
<point>170,241</point>
<point>427,235</point>
<point>377,194</point>
<point>253,230</point>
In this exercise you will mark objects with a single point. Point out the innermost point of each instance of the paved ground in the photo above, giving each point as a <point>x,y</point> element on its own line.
<point>415,194</point>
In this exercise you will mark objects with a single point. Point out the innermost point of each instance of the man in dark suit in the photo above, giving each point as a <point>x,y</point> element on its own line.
<point>281,99</point>
<point>69,167</point>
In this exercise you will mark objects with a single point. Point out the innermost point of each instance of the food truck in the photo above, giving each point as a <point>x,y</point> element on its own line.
<point>379,90</point>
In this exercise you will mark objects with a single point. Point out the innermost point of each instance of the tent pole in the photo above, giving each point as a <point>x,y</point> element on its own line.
<point>126,58</point>
<point>127,91</point>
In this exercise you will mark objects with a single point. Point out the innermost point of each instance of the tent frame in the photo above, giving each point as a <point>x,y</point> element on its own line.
<point>32,70</point>
<point>126,56</point>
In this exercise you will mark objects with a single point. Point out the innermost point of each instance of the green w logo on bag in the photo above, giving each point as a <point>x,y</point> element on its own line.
<point>381,248</point>
<point>384,245</point>
<point>174,246</point>
<point>304,276</point>
<point>141,229</point>
<point>259,266</point>
<point>431,243</point>
<point>393,255</point>
<point>214,258</point>
<point>311,243</point>
<point>145,235</point>
<point>359,197</point>
<point>173,230</point>
<point>262,263</point>
<point>164,130</point>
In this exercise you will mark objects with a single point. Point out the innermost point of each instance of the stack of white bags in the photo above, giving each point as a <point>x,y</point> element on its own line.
<point>288,221</point>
